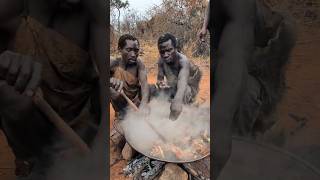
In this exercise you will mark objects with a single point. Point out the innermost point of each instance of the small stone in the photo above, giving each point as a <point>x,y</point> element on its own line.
<point>173,172</point>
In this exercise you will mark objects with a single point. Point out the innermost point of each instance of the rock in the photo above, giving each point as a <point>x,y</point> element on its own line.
<point>173,172</point>
<point>199,169</point>
<point>128,152</point>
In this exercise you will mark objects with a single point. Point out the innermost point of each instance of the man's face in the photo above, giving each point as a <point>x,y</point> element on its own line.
<point>167,51</point>
<point>130,52</point>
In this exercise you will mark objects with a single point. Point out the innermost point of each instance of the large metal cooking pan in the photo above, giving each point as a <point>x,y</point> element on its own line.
<point>146,152</point>
<point>135,139</point>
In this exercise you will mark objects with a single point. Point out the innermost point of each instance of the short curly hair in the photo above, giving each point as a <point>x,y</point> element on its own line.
<point>122,40</point>
<point>166,37</point>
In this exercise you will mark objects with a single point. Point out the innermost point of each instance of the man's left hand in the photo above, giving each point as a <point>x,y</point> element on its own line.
<point>176,109</point>
<point>202,34</point>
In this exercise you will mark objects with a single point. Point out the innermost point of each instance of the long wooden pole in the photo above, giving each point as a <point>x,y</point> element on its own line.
<point>67,132</point>
<point>131,104</point>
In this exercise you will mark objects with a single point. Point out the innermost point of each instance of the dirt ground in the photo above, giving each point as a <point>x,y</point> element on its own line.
<point>298,113</point>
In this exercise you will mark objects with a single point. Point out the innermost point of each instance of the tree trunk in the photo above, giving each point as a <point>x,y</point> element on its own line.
<point>118,20</point>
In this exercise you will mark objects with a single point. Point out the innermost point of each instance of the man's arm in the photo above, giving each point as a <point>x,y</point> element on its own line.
<point>202,33</point>
<point>176,106</point>
<point>206,18</point>
<point>16,76</point>
<point>160,76</point>
<point>182,80</point>
<point>116,85</point>
<point>142,73</point>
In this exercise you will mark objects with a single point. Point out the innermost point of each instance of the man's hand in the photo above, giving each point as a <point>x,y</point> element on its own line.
<point>176,109</point>
<point>14,105</point>
<point>116,84</point>
<point>20,71</point>
<point>162,85</point>
<point>202,34</point>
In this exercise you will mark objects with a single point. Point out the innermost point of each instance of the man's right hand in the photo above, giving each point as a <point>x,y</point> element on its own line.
<point>176,109</point>
<point>116,84</point>
<point>202,34</point>
<point>162,84</point>
<point>20,71</point>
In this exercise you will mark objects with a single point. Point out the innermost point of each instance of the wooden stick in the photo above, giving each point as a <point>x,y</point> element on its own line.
<point>129,101</point>
<point>156,131</point>
<point>148,122</point>
<point>66,131</point>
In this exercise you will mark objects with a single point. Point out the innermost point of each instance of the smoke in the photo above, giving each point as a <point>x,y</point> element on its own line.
<point>72,164</point>
<point>190,123</point>
<point>68,163</point>
<point>78,167</point>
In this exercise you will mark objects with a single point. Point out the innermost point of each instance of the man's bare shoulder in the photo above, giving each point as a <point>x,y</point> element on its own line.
<point>183,59</point>
<point>114,62</point>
